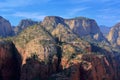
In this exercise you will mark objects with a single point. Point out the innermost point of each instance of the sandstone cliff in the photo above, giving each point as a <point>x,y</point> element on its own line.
<point>53,50</point>
<point>5,28</point>
<point>83,27</point>
<point>114,35</point>
<point>10,61</point>
<point>50,57</point>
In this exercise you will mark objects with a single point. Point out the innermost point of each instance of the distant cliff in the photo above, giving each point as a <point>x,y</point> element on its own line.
<point>23,25</point>
<point>5,28</point>
<point>114,35</point>
<point>83,27</point>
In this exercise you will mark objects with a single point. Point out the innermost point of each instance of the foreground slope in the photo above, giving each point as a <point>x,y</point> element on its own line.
<point>10,61</point>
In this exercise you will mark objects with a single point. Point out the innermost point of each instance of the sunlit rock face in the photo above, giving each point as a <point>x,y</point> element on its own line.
<point>84,27</point>
<point>114,35</point>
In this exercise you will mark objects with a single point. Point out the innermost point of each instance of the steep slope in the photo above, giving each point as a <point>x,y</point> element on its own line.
<point>5,28</point>
<point>83,27</point>
<point>37,45</point>
<point>42,52</point>
<point>24,24</point>
<point>34,40</point>
<point>114,35</point>
<point>10,61</point>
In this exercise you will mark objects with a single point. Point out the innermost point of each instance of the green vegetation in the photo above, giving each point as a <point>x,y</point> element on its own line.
<point>31,33</point>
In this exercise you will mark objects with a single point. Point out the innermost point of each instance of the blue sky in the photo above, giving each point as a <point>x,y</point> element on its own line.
<point>105,12</point>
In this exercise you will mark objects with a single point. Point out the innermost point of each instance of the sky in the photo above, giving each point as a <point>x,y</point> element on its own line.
<point>105,12</point>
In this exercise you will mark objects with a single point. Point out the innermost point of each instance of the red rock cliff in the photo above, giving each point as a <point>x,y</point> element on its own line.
<point>10,61</point>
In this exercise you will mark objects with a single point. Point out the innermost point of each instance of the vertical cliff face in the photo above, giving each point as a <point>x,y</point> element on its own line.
<point>50,23</point>
<point>5,28</point>
<point>114,35</point>
<point>90,67</point>
<point>84,27</point>
<point>10,61</point>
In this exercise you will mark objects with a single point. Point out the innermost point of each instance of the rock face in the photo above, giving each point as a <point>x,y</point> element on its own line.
<point>5,28</point>
<point>81,26</point>
<point>23,25</point>
<point>10,61</point>
<point>38,50</point>
<point>91,67</point>
<point>85,27</point>
<point>114,35</point>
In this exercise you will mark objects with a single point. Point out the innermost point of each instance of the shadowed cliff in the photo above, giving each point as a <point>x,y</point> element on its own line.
<point>10,61</point>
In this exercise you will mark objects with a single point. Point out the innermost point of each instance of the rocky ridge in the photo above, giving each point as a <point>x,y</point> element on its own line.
<point>81,26</point>
<point>23,25</point>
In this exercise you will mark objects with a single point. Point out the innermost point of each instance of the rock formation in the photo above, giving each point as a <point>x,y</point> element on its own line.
<point>50,57</point>
<point>23,25</point>
<point>114,35</point>
<point>5,28</point>
<point>81,26</point>
<point>10,61</point>
<point>56,50</point>
<point>90,67</point>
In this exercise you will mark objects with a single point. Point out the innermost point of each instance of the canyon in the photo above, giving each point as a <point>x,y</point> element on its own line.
<point>59,49</point>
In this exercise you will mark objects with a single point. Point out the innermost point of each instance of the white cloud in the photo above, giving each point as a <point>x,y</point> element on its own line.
<point>37,16</point>
<point>19,3</point>
<point>76,10</point>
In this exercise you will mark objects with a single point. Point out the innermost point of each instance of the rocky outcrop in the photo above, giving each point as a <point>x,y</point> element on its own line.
<point>114,35</point>
<point>5,28</point>
<point>10,61</point>
<point>39,51</point>
<point>84,27</point>
<point>51,22</point>
<point>89,67</point>
<point>24,24</point>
